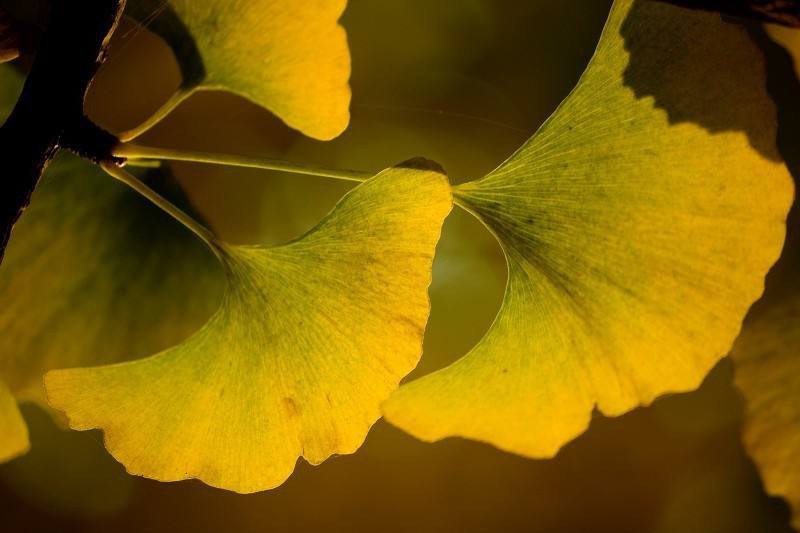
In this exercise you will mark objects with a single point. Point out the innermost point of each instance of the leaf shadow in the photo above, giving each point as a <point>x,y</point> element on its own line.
<point>700,70</point>
<point>783,86</point>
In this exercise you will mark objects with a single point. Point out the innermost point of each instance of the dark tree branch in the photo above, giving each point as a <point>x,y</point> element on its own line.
<point>49,114</point>
<point>785,12</point>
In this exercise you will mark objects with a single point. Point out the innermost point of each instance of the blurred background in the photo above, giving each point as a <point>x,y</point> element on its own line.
<point>463,82</point>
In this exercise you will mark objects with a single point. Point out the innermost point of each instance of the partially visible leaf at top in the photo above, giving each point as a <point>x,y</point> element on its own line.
<point>635,243</point>
<point>290,57</point>
<point>94,274</point>
<point>310,338</point>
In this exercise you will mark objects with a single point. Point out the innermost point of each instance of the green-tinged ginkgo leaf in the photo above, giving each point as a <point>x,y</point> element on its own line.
<point>310,338</point>
<point>767,362</point>
<point>636,238</point>
<point>287,56</point>
<point>94,274</point>
<point>13,431</point>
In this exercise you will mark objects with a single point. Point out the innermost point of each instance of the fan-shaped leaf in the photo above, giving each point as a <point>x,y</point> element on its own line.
<point>635,245</point>
<point>95,274</point>
<point>289,57</point>
<point>311,337</point>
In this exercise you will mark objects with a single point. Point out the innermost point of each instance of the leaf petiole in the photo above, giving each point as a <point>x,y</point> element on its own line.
<point>174,101</point>
<point>133,152</point>
<point>168,207</point>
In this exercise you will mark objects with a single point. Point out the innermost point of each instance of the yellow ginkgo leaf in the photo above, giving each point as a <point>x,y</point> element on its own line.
<point>287,56</point>
<point>635,244</point>
<point>767,363</point>
<point>13,431</point>
<point>310,338</point>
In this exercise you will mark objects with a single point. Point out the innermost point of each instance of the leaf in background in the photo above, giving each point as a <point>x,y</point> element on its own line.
<point>766,355</point>
<point>289,57</point>
<point>94,274</point>
<point>634,245</point>
<point>310,338</point>
<point>767,362</point>
<point>12,427</point>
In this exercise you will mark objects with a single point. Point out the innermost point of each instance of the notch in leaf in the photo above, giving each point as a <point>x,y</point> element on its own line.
<point>635,245</point>
<point>310,338</point>
<point>286,56</point>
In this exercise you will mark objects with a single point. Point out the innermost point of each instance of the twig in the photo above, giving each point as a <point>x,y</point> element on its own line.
<point>49,114</point>
<point>785,12</point>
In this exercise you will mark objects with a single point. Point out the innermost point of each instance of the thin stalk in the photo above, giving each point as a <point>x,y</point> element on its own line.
<point>133,152</point>
<point>168,207</point>
<point>174,101</point>
<point>144,163</point>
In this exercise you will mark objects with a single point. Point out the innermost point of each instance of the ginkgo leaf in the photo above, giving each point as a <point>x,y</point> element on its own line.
<point>89,266</point>
<point>94,274</point>
<point>13,431</point>
<point>9,37</point>
<point>635,245</point>
<point>289,57</point>
<point>310,338</point>
<point>767,363</point>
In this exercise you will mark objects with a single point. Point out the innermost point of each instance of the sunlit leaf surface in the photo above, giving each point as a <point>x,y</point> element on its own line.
<point>310,338</point>
<point>636,239</point>
<point>287,56</point>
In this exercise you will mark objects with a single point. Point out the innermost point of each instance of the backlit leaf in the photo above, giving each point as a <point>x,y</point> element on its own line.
<point>287,56</point>
<point>95,274</point>
<point>767,362</point>
<point>636,238</point>
<point>310,338</point>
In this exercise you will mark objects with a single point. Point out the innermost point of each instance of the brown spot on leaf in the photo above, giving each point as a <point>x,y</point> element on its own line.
<point>292,409</point>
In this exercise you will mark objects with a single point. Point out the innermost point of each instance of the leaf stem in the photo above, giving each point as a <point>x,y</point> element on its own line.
<point>168,207</point>
<point>166,108</point>
<point>134,152</point>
